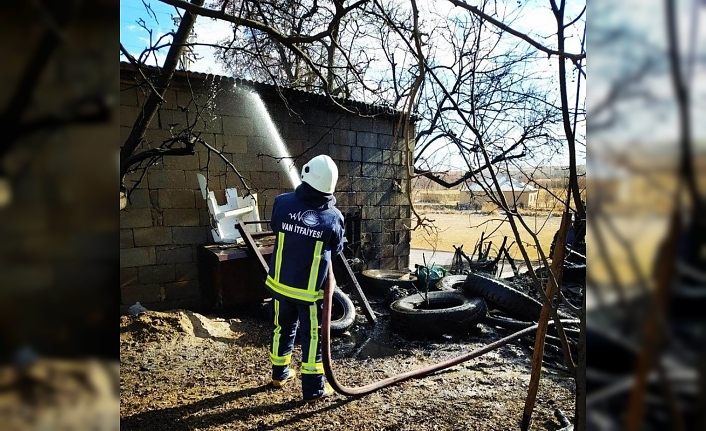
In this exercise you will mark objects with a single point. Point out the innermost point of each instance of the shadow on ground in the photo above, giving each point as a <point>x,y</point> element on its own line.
<point>196,415</point>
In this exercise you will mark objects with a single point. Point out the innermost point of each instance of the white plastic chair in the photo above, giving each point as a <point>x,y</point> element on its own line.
<point>226,216</point>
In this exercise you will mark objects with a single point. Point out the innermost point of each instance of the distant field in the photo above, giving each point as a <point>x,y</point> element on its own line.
<point>465,228</point>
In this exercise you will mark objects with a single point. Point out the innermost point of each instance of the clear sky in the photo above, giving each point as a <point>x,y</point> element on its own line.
<point>135,39</point>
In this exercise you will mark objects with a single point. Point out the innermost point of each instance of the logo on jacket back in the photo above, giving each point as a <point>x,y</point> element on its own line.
<point>309,217</point>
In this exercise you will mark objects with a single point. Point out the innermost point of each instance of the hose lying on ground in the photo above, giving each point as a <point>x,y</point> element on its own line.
<point>424,371</point>
<point>366,389</point>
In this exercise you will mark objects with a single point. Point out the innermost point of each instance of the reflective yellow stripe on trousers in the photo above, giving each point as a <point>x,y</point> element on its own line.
<point>314,271</point>
<point>310,366</point>
<point>274,357</point>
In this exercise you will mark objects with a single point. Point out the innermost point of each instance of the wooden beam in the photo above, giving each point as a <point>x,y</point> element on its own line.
<point>252,247</point>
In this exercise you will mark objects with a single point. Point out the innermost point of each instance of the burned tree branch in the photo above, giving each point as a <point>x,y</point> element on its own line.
<point>467,176</point>
<point>154,153</point>
<point>568,129</point>
<point>137,65</point>
<point>681,94</point>
<point>471,173</point>
<point>551,290</point>
<point>227,162</point>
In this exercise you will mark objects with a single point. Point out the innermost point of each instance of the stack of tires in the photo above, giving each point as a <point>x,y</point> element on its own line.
<point>460,304</point>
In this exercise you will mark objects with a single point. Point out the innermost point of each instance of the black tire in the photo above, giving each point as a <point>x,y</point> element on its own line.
<point>455,314</point>
<point>451,283</point>
<point>503,297</point>
<point>377,282</point>
<point>342,312</point>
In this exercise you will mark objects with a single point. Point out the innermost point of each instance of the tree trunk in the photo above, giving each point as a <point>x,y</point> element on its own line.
<point>150,107</point>
<point>568,131</point>
<point>551,290</point>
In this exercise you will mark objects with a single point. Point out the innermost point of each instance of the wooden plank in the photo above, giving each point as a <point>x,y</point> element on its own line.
<point>252,247</point>
<point>262,234</point>
<point>257,222</point>
<point>357,291</point>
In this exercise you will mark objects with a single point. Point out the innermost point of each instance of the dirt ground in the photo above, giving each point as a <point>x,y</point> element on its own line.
<point>182,371</point>
<point>456,228</point>
<point>43,393</point>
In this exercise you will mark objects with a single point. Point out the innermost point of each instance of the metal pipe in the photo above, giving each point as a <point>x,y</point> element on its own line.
<point>355,288</point>
<point>420,372</point>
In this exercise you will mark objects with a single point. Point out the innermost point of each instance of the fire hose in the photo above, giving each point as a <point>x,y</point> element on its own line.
<point>389,381</point>
<point>420,372</point>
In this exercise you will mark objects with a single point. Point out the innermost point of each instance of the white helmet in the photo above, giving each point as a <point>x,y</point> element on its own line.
<point>321,173</point>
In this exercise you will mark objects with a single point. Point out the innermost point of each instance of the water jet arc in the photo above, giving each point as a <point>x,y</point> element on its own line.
<point>260,112</point>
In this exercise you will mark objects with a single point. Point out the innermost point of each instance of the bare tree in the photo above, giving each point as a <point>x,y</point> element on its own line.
<point>470,119</point>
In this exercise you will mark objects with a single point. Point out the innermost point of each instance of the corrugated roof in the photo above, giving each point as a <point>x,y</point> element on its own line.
<point>291,94</point>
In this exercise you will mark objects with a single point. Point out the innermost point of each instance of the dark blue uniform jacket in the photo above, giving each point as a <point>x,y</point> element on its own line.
<point>309,228</point>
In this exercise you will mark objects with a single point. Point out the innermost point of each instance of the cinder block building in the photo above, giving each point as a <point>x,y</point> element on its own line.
<point>167,218</point>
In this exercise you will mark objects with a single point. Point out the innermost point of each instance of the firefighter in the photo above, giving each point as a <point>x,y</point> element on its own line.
<point>309,230</point>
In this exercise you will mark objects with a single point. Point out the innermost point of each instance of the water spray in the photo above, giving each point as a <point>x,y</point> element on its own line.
<point>281,150</point>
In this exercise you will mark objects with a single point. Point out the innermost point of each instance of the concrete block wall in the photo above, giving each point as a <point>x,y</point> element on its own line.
<point>167,219</point>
